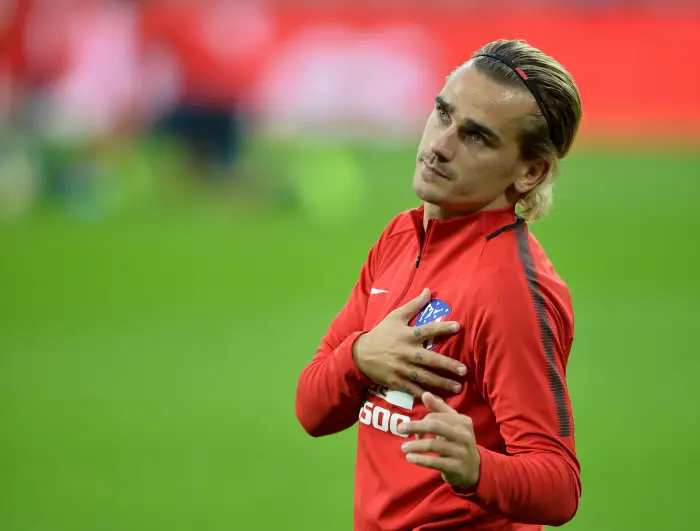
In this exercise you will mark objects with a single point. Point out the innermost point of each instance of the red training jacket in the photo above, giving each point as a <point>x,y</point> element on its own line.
<point>489,273</point>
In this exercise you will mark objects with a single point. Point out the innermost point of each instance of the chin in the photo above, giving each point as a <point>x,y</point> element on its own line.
<point>429,192</point>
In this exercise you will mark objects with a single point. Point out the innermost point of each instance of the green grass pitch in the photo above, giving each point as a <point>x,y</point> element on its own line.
<point>148,364</point>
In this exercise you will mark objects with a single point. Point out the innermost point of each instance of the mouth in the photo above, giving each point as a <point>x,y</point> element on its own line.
<point>431,171</point>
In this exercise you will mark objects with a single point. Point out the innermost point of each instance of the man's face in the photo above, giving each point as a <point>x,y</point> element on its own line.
<point>469,155</point>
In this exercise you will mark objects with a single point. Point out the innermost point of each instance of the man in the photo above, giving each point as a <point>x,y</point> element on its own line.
<point>452,349</point>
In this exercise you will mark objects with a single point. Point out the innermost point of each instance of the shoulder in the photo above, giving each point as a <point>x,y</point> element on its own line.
<point>516,255</point>
<point>389,238</point>
<point>400,225</point>
<point>515,275</point>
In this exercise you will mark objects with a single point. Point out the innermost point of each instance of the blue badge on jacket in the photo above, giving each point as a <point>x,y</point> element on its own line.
<point>435,311</point>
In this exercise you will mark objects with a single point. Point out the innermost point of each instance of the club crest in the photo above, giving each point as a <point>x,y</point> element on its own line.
<point>435,311</point>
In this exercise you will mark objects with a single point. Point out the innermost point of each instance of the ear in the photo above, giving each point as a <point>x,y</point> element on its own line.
<point>533,174</point>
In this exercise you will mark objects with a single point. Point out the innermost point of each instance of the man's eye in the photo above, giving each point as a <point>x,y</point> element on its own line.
<point>442,113</point>
<point>478,138</point>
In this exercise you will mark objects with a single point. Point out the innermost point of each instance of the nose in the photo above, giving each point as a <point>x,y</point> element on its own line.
<point>442,146</point>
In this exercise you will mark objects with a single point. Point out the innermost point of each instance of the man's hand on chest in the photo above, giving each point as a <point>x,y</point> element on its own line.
<point>393,354</point>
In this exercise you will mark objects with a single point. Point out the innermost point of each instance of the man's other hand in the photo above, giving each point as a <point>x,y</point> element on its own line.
<point>446,442</point>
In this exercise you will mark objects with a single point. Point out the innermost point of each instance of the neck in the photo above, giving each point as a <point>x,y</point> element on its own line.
<point>432,211</point>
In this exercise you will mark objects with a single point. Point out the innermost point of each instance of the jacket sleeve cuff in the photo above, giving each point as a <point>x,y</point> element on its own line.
<point>354,378</point>
<point>487,487</point>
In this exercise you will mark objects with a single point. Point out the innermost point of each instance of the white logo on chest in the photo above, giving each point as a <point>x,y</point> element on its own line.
<point>381,418</point>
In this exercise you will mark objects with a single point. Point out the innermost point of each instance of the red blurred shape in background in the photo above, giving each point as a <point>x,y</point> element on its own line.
<point>374,63</point>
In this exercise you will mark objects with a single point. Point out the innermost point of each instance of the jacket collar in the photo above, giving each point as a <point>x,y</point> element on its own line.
<point>482,224</point>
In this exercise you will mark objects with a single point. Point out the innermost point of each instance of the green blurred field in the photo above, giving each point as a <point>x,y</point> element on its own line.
<point>148,364</point>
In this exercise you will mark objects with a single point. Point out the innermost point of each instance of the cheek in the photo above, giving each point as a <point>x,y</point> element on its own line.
<point>471,163</point>
<point>429,132</point>
<point>481,169</point>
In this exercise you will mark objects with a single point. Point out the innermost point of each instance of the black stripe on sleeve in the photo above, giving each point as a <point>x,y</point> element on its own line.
<point>556,382</point>
<point>511,226</point>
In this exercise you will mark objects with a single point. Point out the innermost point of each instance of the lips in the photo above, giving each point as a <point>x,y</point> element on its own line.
<point>432,169</point>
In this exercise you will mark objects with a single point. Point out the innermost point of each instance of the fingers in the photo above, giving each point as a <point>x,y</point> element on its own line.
<point>431,330</point>
<point>446,465</point>
<point>454,428</point>
<point>411,388</point>
<point>426,378</point>
<point>428,358</point>
<point>442,447</point>
<point>432,426</point>
<point>412,307</point>
<point>436,404</point>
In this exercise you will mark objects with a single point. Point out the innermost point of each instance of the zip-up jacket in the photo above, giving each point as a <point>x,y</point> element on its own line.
<point>489,273</point>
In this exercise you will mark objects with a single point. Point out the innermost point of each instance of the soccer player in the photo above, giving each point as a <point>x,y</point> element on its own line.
<point>452,348</point>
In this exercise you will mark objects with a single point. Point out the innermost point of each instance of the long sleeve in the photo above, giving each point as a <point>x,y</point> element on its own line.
<point>330,391</point>
<point>521,337</point>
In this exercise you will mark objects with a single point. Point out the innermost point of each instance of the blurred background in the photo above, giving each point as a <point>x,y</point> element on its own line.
<point>188,190</point>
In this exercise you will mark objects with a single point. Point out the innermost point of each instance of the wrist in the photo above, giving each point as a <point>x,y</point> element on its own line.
<point>473,491</point>
<point>357,348</point>
<point>346,364</point>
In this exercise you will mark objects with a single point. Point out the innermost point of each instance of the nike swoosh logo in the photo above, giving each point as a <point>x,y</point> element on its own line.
<point>375,291</point>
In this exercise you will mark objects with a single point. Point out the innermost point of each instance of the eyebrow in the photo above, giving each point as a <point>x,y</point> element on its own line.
<point>468,123</point>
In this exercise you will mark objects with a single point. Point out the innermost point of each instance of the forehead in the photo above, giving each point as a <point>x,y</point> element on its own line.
<point>476,96</point>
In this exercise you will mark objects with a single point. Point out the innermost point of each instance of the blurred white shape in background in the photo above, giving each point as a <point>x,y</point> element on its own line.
<point>336,79</point>
<point>99,83</point>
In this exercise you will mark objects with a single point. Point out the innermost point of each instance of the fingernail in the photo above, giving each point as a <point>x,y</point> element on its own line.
<point>404,447</point>
<point>411,458</point>
<point>454,327</point>
<point>456,388</point>
<point>461,370</point>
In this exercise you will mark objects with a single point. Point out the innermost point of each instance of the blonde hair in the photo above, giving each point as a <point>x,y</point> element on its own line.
<point>561,99</point>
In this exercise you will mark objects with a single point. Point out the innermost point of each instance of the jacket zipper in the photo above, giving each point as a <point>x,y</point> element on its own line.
<point>421,250</point>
